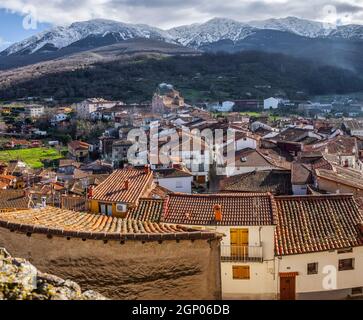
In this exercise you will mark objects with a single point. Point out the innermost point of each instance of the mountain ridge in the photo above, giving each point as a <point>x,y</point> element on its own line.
<point>195,35</point>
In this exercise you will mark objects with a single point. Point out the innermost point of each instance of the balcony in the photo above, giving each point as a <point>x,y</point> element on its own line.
<point>241,254</point>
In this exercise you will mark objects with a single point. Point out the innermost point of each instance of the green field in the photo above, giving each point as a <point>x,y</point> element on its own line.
<point>31,157</point>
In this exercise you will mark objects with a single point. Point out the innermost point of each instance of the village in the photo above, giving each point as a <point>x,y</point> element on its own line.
<point>285,221</point>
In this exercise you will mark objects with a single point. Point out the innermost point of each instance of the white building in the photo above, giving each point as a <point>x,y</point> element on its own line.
<point>271,103</point>
<point>88,107</point>
<point>225,106</point>
<point>247,249</point>
<point>174,180</point>
<point>300,247</point>
<point>59,118</point>
<point>34,111</point>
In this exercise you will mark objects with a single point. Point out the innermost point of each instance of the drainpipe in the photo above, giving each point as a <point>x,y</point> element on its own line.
<point>259,235</point>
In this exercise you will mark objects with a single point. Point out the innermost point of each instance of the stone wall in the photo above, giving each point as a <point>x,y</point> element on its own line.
<point>133,270</point>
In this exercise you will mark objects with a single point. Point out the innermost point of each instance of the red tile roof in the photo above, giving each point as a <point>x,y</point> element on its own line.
<point>13,200</point>
<point>75,145</point>
<point>64,223</point>
<point>147,210</point>
<point>237,209</point>
<point>308,224</point>
<point>113,189</point>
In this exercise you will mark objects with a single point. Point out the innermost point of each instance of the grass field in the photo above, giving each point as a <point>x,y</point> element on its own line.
<point>31,157</point>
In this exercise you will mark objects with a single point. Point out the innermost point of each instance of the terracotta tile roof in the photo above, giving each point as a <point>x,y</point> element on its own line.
<point>74,203</point>
<point>147,210</point>
<point>301,174</point>
<point>346,176</point>
<point>340,145</point>
<point>113,189</point>
<point>5,177</point>
<point>3,185</point>
<point>13,199</point>
<point>69,162</point>
<point>65,223</point>
<point>159,192</point>
<point>316,223</point>
<point>75,145</point>
<point>171,173</point>
<point>252,209</point>
<point>277,182</point>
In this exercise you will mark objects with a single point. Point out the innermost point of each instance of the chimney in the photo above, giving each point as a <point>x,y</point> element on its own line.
<point>147,169</point>
<point>90,192</point>
<point>44,201</point>
<point>127,184</point>
<point>217,212</point>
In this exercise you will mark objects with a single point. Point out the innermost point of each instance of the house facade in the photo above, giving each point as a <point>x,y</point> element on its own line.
<point>78,150</point>
<point>87,107</point>
<point>271,103</point>
<point>286,247</point>
<point>174,180</point>
<point>121,191</point>
<point>247,248</point>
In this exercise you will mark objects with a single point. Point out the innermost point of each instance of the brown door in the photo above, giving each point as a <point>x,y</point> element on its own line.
<point>287,287</point>
<point>239,242</point>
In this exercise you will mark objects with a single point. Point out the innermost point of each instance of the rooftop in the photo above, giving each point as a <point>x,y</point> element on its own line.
<point>171,173</point>
<point>342,175</point>
<point>114,189</point>
<point>274,181</point>
<point>78,145</point>
<point>147,210</point>
<point>65,223</point>
<point>13,199</point>
<point>316,223</point>
<point>252,209</point>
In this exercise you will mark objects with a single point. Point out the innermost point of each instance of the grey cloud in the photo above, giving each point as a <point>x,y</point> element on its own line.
<point>168,13</point>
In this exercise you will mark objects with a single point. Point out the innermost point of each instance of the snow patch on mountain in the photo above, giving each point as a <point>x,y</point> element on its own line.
<point>212,31</point>
<point>301,27</point>
<point>195,35</point>
<point>60,37</point>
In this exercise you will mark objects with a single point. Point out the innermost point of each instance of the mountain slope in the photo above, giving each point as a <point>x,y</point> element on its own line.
<point>206,77</point>
<point>95,32</point>
<point>71,59</point>
<point>211,31</point>
<point>61,37</point>
<point>301,27</point>
<point>342,53</point>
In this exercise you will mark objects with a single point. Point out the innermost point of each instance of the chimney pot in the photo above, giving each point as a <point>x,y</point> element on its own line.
<point>218,212</point>
<point>147,169</point>
<point>90,192</point>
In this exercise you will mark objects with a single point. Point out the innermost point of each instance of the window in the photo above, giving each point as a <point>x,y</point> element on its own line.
<point>241,272</point>
<point>346,264</point>
<point>313,268</point>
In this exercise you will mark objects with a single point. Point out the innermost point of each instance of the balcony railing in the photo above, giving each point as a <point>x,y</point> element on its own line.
<point>241,253</point>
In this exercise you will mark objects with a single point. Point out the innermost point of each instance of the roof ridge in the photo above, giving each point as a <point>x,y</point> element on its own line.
<point>221,195</point>
<point>316,196</point>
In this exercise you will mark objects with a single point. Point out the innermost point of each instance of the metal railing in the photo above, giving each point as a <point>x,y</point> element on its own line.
<point>241,253</point>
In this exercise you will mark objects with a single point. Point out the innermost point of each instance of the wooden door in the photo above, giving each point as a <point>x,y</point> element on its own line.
<point>287,287</point>
<point>239,242</point>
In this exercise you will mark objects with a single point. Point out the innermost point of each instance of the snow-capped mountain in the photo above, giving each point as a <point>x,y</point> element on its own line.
<point>350,32</point>
<point>104,32</point>
<point>301,27</point>
<point>212,31</point>
<point>60,37</point>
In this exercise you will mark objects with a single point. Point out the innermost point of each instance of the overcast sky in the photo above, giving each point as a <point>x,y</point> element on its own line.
<point>168,13</point>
